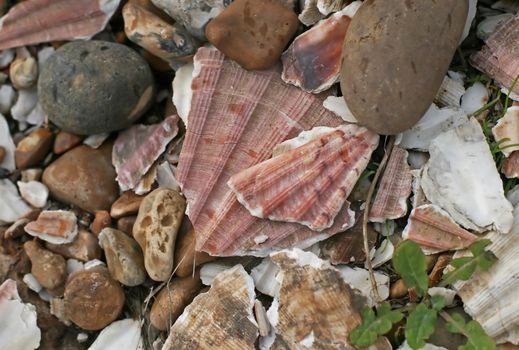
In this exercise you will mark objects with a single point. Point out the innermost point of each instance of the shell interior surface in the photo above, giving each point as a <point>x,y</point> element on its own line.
<point>37,21</point>
<point>394,189</point>
<point>235,119</point>
<point>462,179</point>
<point>450,93</point>
<point>311,183</point>
<point>432,227</point>
<point>222,318</point>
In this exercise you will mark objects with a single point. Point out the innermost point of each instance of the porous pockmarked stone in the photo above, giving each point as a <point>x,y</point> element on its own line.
<point>395,56</point>
<point>91,87</point>
<point>253,32</point>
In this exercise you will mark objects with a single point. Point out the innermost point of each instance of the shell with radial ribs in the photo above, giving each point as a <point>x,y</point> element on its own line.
<point>37,21</point>
<point>394,189</point>
<point>309,184</point>
<point>234,120</point>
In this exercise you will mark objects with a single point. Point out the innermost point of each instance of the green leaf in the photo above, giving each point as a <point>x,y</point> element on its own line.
<point>438,302</point>
<point>465,267</point>
<point>477,339</point>
<point>420,326</point>
<point>409,262</point>
<point>373,326</point>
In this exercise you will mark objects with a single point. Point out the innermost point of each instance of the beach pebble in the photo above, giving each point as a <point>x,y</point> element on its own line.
<point>102,219</point>
<point>155,229</point>
<point>127,204</point>
<point>2,154</point>
<point>65,141</point>
<point>90,87</point>
<point>386,62</point>
<point>168,308</point>
<point>124,257</point>
<point>92,298</point>
<point>186,257</point>
<point>23,72</point>
<point>34,192</point>
<point>253,33</point>
<point>33,148</point>
<point>84,177</point>
<point>84,247</point>
<point>48,268</point>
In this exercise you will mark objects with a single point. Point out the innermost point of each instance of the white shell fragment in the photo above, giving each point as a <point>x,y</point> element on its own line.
<point>7,98</point>
<point>474,98</point>
<point>34,192</point>
<point>383,254</point>
<point>508,128</point>
<point>447,293</point>
<point>119,335</point>
<point>450,92</point>
<point>209,271</point>
<point>488,26</point>
<point>25,104</point>
<point>6,141</point>
<point>18,328</point>
<point>32,282</point>
<point>434,122</point>
<point>461,178</point>
<point>96,140</point>
<point>338,106</point>
<point>182,91</point>
<point>264,276</point>
<point>427,346</point>
<point>359,278</point>
<point>12,207</point>
<point>470,17</point>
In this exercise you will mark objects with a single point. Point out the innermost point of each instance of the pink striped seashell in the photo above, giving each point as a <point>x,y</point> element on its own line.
<point>308,184</point>
<point>394,189</point>
<point>37,21</point>
<point>235,120</point>
<point>432,227</point>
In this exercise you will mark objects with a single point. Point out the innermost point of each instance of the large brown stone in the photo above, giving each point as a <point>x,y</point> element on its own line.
<point>84,177</point>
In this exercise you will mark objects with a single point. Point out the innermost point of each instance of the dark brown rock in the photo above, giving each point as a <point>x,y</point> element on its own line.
<point>253,32</point>
<point>126,224</point>
<point>102,219</point>
<point>186,258</point>
<point>66,141</point>
<point>33,148</point>
<point>48,268</point>
<point>395,56</point>
<point>127,204</point>
<point>84,177</point>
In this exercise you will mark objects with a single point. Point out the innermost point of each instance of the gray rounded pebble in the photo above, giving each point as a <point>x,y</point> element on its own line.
<point>91,87</point>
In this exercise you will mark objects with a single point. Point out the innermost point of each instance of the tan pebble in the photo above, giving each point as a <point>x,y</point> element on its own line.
<point>126,224</point>
<point>92,298</point>
<point>181,293</point>
<point>33,148</point>
<point>124,257</point>
<point>66,141</point>
<point>48,268</point>
<point>85,247</point>
<point>102,219</point>
<point>23,72</point>
<point>398,289</point>
<point>186,258</point>
<point>155,229</point>
<point>127,204</point>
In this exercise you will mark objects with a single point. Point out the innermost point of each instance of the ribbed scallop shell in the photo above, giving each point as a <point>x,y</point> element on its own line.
<point>235,120</point>
<point>394,189</point>
<point>308,184</point>
<point>433,228</point>
<point>37,21</point>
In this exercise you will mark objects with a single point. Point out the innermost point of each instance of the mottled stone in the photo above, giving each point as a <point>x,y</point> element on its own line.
<point>32,149</point>
<point>91,87</point>
<point>84,177</point>
<point>127,204</point>
<point>92,298</point>
<point>392,69</point>
<point>253,33</point>
<point>23,72</point>
<point>186,257</point>
<point>123,256</point>
<point>65,141</point>
<point>102,219</point>
<point>48,268</point>
<point>84,247</point>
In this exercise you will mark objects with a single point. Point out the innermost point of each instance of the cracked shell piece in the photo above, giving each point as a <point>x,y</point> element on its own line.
<point>508,128</point>
<point>461,178</point>
<point>37,21</point>
<point>137,148</point>
<point>123,334</point>
<point>12,206</point>
<point>433,228</point>
<point>314,10</point>
<point>235,120</point>
<point>156,228</point>
<point>490,297</point>
<point>394,189</point>
<point>221,318</point>
<point>450,93</point>
<point>54,226</point>
<point>313,60</point>
<point>314,307</point>
<point>309,184</point>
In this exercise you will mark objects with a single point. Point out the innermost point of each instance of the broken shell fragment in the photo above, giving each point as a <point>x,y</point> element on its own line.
<point>54,226</point>
<point>123,334</point>
<point>511,165</point>
<point>338,106</point>
<point>432,227</point>
<point>313,60</point>
<point>18,328</point>
<point>506,131</point>
<point>137,148</point>
<point>358,278</point>
<point>461,178</point>
<point>12,207</point>
<point>309,184</point>
<point>7,143</point>
<point>34,192</point>
<point>38,21</point>
<point>474,98</point>
<point>314,10</point>
<point>264,276</point>
<point>450,93</point>
<point>160,38</point>
<point>221,318</point>
<point>395,187</point>
<point>235,119</point>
